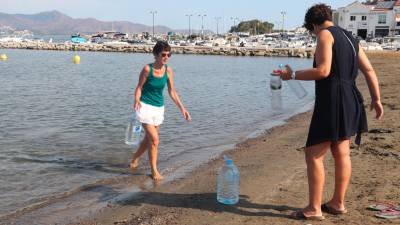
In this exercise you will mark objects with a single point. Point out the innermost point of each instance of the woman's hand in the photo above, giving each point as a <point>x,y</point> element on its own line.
<point>377,106</point>
<point>186,115</point>
<point>136,106</point>
<point>285,74</point>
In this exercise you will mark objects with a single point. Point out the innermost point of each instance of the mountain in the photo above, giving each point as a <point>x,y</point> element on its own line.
<point>55,22</point>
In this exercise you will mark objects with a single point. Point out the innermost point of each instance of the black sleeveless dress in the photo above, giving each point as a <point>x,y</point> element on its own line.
<point>339,111</point>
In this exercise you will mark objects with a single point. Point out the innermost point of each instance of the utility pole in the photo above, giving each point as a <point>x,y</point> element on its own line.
<point>153,12</point>
<point>202,27</point>
<point>258,29</point>
<point>277,25</point>
<point>189,15</point>
<point>217,19</point>
<point>234,21</point>
<point>283,20</point>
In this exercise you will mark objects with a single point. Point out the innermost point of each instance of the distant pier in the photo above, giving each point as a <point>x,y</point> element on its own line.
<point>129,48</point>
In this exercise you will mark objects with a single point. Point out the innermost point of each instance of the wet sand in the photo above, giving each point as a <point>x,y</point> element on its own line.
<point>273,174</point>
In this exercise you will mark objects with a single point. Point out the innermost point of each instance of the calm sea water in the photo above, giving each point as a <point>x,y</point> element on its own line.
<point>62,125</point>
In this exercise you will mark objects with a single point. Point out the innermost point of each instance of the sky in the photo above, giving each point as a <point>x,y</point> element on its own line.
<point>172,13</point>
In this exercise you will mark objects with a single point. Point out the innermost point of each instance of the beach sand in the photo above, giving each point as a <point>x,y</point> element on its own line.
<point>273,174</point>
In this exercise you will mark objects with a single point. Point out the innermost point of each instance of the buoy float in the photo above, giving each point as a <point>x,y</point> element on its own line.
<point>3,57</point>
<point>77,59</point>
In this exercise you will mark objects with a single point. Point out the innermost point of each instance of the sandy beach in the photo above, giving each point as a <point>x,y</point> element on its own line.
<point>273,174</point>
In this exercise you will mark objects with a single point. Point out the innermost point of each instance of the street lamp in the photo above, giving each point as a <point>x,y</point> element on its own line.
<point>153,12</point>
<point>217,19</point>
<point>234,21</point>
<point>189,15</point>
<point>202,27</point>
<point>277,25</point>
<point>283,20</point>
<point>257,27</point>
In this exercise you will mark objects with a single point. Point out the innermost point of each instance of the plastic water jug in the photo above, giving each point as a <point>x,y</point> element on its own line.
<point>133,131</point>
<point>228,183</point>
<point>295,86</point>
<point>275,82</point>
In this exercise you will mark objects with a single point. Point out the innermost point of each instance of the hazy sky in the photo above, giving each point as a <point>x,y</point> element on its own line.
<point>172,13</point>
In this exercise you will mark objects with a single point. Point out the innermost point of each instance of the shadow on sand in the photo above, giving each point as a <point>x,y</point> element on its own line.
<point>202,201</point>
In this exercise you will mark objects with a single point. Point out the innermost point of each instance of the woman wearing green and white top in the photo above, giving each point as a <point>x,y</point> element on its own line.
<point>149,103</point>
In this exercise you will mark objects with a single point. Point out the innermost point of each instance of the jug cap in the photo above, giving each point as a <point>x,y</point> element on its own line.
<point>228,162</point>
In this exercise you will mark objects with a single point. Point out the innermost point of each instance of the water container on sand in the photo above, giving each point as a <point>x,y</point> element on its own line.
<point>133,131</point>
<point>228,183</point>
<point>295,86</point>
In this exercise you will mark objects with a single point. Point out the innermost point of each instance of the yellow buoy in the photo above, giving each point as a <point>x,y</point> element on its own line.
<point>3,57</point>
<point>77,59</point>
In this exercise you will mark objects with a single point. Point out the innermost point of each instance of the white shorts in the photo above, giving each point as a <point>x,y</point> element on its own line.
<point>149,114</point>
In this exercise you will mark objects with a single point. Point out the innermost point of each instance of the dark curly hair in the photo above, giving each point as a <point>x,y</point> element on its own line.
<point>160,47</point>
<point>317,15</point>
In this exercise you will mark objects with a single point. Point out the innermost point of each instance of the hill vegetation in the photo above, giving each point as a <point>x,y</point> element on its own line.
<point>254,27</point>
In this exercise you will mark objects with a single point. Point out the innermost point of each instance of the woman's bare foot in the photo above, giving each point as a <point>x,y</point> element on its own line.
<point>156,176</point>
<point>308,212</point>
<point>134,164</point>
<point>334,209</point>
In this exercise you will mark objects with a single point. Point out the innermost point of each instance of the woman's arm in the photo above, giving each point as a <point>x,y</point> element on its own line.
<point>138,91</point>
<point>323,58</point>
<point>372,82</point>
<point>174,95</point>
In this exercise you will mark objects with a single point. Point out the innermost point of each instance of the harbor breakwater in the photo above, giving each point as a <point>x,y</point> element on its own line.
<point>128,48</point>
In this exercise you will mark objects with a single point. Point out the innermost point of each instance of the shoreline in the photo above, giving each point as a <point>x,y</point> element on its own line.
<point>60,200</point>
<point>273,181</point>
<point>273,177</point>
<point>128,48</point>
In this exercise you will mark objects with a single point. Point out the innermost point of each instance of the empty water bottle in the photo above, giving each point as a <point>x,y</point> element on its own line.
<point>295,86</point>
<point>133,131</point>
<point>228,183</point>
<point>276,102</point>
<point>275,82</point>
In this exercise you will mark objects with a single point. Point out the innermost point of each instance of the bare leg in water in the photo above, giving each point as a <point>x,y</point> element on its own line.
<point>150,142</point>
<point>142,148</point>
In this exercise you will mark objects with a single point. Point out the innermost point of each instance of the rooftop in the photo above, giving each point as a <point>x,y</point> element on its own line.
<point>382,4</point>
<point>385,4</point>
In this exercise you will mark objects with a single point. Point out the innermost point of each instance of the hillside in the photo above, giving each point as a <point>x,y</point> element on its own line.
<point>55,22</point>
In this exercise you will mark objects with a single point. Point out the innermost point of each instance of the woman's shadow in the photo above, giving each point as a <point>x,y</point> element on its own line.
<point>208,202</point>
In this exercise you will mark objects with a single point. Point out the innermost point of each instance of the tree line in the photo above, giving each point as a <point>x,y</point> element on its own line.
<point>254,27</point>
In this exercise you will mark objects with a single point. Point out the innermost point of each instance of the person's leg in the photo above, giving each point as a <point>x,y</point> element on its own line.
<point>314,156</point>
<point>341,154</point>
<point>142,148</point>
<point>153,140</point>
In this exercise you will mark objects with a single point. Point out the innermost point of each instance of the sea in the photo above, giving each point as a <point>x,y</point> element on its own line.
<point>62,150</point>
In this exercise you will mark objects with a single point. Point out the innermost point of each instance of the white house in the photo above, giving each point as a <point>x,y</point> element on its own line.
<point>377,18</point>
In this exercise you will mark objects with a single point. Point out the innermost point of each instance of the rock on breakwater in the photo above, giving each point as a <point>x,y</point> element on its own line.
<point>128,48</point>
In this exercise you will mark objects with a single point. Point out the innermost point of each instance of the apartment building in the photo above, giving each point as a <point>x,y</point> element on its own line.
<point>370,19</point>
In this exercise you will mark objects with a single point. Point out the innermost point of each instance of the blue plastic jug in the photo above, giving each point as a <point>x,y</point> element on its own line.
<point>228,181</point>
<point>133,131</point>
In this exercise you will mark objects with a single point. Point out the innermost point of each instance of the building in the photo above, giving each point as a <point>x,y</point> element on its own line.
<point>370,19</point>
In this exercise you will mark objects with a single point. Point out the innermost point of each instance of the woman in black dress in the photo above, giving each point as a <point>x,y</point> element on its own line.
<point>339,110</point>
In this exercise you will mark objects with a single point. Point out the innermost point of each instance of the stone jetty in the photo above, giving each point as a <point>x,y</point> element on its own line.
<point>129,48</point>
